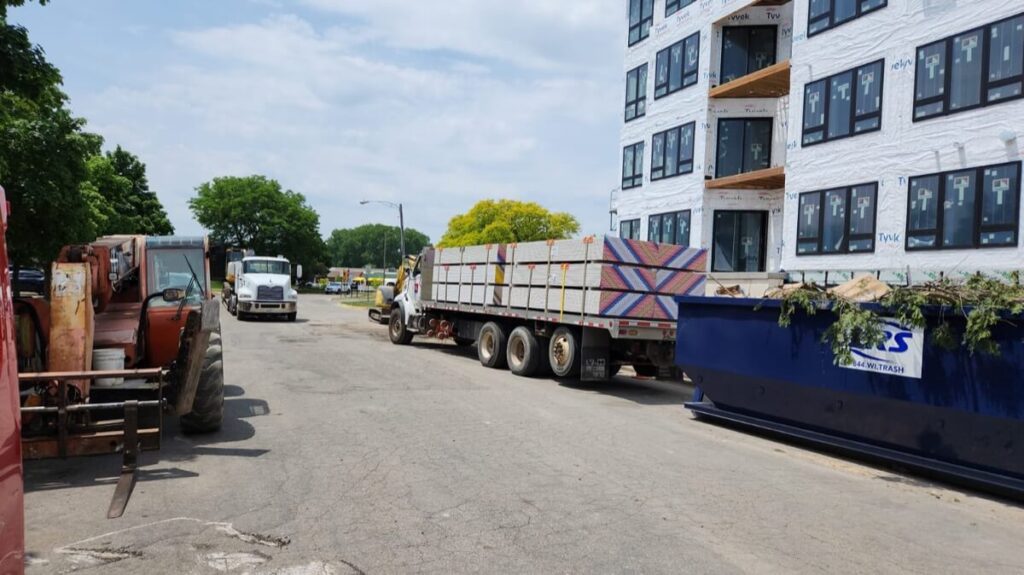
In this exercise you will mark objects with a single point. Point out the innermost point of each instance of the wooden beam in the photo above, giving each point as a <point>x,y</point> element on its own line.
<point>770,82</point>
<point>766,179</point>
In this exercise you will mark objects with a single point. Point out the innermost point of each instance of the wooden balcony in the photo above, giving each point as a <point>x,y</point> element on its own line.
<point>770,82</point>
<point>766,179</point>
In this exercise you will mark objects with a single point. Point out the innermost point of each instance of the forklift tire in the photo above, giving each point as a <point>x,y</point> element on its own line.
<point>208,406</point>
<point>397,330</point>
<point>564,352</point>
<point>492,347</point>
<point>524,352</point>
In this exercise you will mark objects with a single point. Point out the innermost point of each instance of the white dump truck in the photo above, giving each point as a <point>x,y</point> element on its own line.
<point>574,308</point>
<point>259,285</point>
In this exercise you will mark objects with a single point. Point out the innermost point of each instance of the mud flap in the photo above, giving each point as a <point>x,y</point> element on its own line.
<point>595,355</point>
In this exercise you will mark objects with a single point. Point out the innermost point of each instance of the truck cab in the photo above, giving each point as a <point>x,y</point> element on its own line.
<point>262,286</point>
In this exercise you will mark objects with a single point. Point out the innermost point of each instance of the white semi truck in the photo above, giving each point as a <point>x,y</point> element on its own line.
<point>575,308</point>
<point>259,285</point>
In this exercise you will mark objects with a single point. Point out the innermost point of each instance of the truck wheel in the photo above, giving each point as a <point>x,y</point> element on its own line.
<point>397,330</point>
<point>233,305</point>
<point>646,370</point>
<point>208,406</point>
<point>524,352</point>
<point>492,346</point>
<point>564,352</point>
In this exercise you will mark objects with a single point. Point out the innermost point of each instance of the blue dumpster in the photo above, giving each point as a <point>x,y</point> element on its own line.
<point>943,412</point>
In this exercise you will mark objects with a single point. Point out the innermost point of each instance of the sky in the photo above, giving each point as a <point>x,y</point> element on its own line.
<point>432,103</point>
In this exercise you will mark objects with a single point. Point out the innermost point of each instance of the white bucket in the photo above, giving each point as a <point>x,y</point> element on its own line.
<point>108,360</point>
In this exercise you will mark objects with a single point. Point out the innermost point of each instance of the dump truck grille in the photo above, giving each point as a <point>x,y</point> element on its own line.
<point>267,293</point>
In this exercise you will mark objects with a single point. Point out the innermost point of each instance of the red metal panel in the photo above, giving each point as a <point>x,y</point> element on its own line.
<point>12,506</point>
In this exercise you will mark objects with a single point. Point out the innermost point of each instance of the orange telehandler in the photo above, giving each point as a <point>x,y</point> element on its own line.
<point>142,309</point>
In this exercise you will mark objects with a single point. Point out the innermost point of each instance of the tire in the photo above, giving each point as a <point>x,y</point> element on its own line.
<point>492,347</point>
<point>564,352</point>
<point>208,406</point>
<point>524,352</point>
<point>292,316</point>
<point>233,305</point>
<point>397,330</point>
<point>463,341</point>
<point>646,370</point>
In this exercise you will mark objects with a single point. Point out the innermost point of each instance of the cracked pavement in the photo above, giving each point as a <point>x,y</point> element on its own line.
<point>341,453</point>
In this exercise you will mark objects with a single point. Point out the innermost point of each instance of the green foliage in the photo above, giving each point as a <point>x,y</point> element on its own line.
<point>504,221</point>
<point>982,302</point>
<point>118,192</point>
<point>364,245</point>
<point>255,212</point>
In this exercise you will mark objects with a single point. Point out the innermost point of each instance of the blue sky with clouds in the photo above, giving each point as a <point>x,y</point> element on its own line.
<point>433,103</point>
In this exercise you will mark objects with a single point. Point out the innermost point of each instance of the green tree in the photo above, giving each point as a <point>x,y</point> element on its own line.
<point>254,212</point>
<point>118,190</point>
<point>504,221</point>
<point>43,152</point>
<point>364,245</point>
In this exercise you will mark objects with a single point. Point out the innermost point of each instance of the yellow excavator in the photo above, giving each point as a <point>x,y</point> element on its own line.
<point>381,310</point>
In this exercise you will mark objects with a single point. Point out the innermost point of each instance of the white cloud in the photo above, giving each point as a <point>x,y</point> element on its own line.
<point>343,111</point>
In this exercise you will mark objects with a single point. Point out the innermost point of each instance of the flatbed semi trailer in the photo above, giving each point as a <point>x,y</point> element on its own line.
<point>573,308</point>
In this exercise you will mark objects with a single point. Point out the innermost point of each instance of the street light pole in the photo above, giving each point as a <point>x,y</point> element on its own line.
<point>401,220</point>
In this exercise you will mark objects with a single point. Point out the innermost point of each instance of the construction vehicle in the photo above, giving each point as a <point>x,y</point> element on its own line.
<point>385,295</point>
<point>130,332</point>
<point>576,308</point>
<point>12,506</point>
<point>259,285</point>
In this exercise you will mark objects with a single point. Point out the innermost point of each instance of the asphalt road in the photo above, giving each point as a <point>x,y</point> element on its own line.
<point>344,454</point>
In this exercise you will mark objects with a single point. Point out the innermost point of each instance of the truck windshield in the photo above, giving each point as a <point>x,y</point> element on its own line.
<point>169,268</point>
<point>267,267</point>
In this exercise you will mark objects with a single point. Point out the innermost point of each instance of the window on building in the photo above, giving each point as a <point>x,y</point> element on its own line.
<point>633,166</point>
<point>672,228</point>
<point>636,92</point>
<point>673,6</point>
<point>744,145</point>
<point>844,105</point>
<point>676,67</point>
<point>629,229</point>
<point>672,152</point>
<point>746,49</point>
<point>963,209</point>
<point>641,18</point>
<point>738,241</point>
<point>980,67</point>
<point>839,221</point>
<point>825,14</point>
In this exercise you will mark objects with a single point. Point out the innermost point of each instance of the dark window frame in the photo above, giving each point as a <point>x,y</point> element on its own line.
<point>683,75</point>
<point>634,228</point>
<point>763,252</point>
<point>743,146</point>
<point>854,118</point>
<point>635,180</point>
<point>679,152</point>
<point>639,26</point>
<point>673,6</point>
<point>675,218</point>
<point>775,47</point>
<point>986,84</point>
<point>847,236</point>
<point>979,200</point>
<point>641,93</point>
<point>832,10</point>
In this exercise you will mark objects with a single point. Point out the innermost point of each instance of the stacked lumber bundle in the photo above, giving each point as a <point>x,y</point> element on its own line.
<point>602,276</point>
